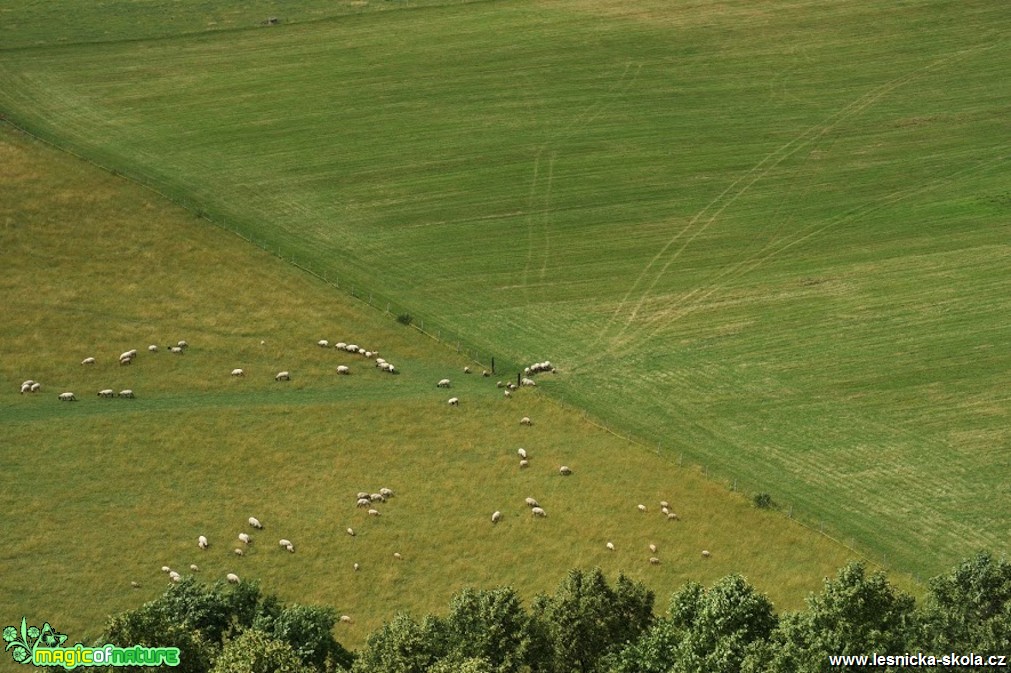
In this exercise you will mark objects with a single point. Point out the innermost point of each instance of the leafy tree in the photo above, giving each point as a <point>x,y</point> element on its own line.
<point>969,609</point>
<point>308,630</point>
<point>403,645</point>
<point>491,626</point>
<point>256,652</point>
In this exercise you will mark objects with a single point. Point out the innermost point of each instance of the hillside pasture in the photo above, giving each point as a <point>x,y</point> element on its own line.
<point>100,493</point>
<point>773,240</point>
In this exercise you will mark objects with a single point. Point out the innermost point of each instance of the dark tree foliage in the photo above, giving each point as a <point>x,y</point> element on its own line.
<point>491,626</point>
<point>403,645</point>
<point>309,632</point>
<point>969,609</point>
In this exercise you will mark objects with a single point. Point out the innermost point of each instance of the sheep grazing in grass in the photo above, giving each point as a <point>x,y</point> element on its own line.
<point>672,516</point>
<point>364,502</point>
<point>283,376</point>
<point>522,453</point>
<point>152,348</point>
<point>377,497</point>
<point>244,538</point>
<point>357,567</point>
<point>654,560</point>
<point>397,556</point>
<point>35,387</point>
<point>26,387</point>
<point>202,542</point>
<point>232,578</point>
<point>291,548</point>
<point>524,463</point>
<point>532,503</point>
<point>176,349</point>
<point>238,372</point>
<point>705,553</point>
<point>443,383</point>
<point>345,619</point>
<point>340,345</point>
<point>238,551</point>
<point>373,512</point>
<point>135,585</point>
<point>182,344</point>
<point>166,569</point>
<point>565,470</point>
<point>526,421</point>
<point>386,492</point>
<point>174,576</point>
<point>323,343</point>
<point>343,370</point>
<point>351,532</point>
<point>88,361</point>
<point>67,397</point>
<point>642,508</point>
<point>664,503</point>
<point>537,511</point>
<point>362,494</point>
<point>528,382</point>
<point>125,361</point>
<point>254,522</point>
<point>496,516</point>
<point>283,542</point>
<point>485,373</point>
<point>466,370</point>
<point>194,567</point>
<point>507,394</point>
<point>652,548</point>
<point>500,384</point>
<point>108,392</point>
<point>128,394</point>
<point>454,401</point>
<point>664,511</point>
<point>610,545</point>
<point>351,348</point>
<point>511,386</point>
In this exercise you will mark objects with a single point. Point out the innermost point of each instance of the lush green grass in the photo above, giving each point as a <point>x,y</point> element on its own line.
<point>774,240</point>
<point>100,493</point>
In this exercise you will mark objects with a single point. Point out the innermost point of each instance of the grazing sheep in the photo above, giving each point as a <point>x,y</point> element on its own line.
<point>174,576</point>
<point>108,392</point>
<point>343,369</point>
<point>362,494</point>
<point>36,387</point>
<point>29,382</point>
<point>377,497</point>
<point>565,470</point>
<point>672,517</point>
<point>351,348</point>
<point>526,421</point>
<point>386,492</point>
<point>340,345</point>
<point>610,545</point>
<point>254,522</point>
<point>238,372</point>
<point>132,353</point>
<point>126,361</point>
<point>345,619</point>
<point>466,370</point>
<point>664,503</point>
<point>532,503</point>
<point>368,354</point>
<point>202,542</point>
<point>166,569</point>
<point>652,548</point>
<point>135,585</point>
<point>496,516</point>
<point>351,532</point>
<point>511,386</point>
<point>88,361</point>
<point>283,376</point>
<point>485,373</point>
<point>244,537</point>
<point>454,401</point>
<point>507,393</point>
<point>284,543</point>
<point>500,384</point>
<point>182,344</point>
<point>654,560</point>
<point>152,348</point>
<point>397,556</point>
<point>67,397</point>
<point>128,394</point>
<point>232,578</point>
<point>364,502</point>
<point>290,548</point>
<point>176,349</point>
<point>443,383</point>
<point>705,553</point>
<point>537,511</point>
<point>522,453</point>
<point>528,382</point>
<point>238,551</point>
<point>356,567</point>
<point>524,463</point>
<point>642,508</point>
<point>373,512</point>
<point>194,567</point>
<point>26,388</point>
<point>323,343</point>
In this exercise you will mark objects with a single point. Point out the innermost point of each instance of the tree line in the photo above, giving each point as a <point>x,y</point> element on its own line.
<point>589,625</point>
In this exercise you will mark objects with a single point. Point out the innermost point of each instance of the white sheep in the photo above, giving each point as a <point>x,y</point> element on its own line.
<point>238,372</point>
<point>130,353</point>
<point>232,578</point>
<point>397,556</point>
<point>654,560</point>
<point>672,517</point>
<point>345,619</point>
<point>526,421</point>
<point>705,553</point>
<point>610,545</point>
<point>565,470</point>
<point>500,384</point>
<point>36,387</point>
<point>284,542</point>
<point>532,503</point>
<point>88,361</point>
<point>108,392</point>
<point>128,394</point>
<point>291,548</point>
<point>386,492</point>
<point>152,348</point>
<point>522,453</point>
<point>126,361</point>
<point>344,370</point>
<point>283,376</point>
<point>356,567</point>
<point>254,522</point>
<point>202,542</point>
<point>380,362</point>
<point>238,551</point>
<point>485,373</point>
<point>642,508</point>
<point>537,511</point>
<point>466,370</point>
<point>664,503</point>
<point>323,343</point>
<point>652,548</point>
<point>443,383</point>
<point>496,516</point>
<point>194,567</point>
<point>507,393</point>
<point>524,463</point>
<point>664,510</point>
<point>166,569</point>
<point>67,397</point>
<point>364,502</point>
<point>178,350</point>
<point>351,532</point>
<point>26,388</point>
<point>174,576</point>
<point>182,344</point>
<point>373,512</point>
<point>340,345</point>
<point>244,537</point>
<point>528,382</point>
<point>351,348</point>
<point>454,401</point>
<point>377,497</point>
<point>29,382</point>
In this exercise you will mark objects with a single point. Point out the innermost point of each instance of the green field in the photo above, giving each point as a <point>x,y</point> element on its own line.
<point>772,239</point>
<point>101,493</point>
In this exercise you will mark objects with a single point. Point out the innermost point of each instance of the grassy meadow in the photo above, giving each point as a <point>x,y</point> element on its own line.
<point>773,239</point>
<point>103,492</point>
